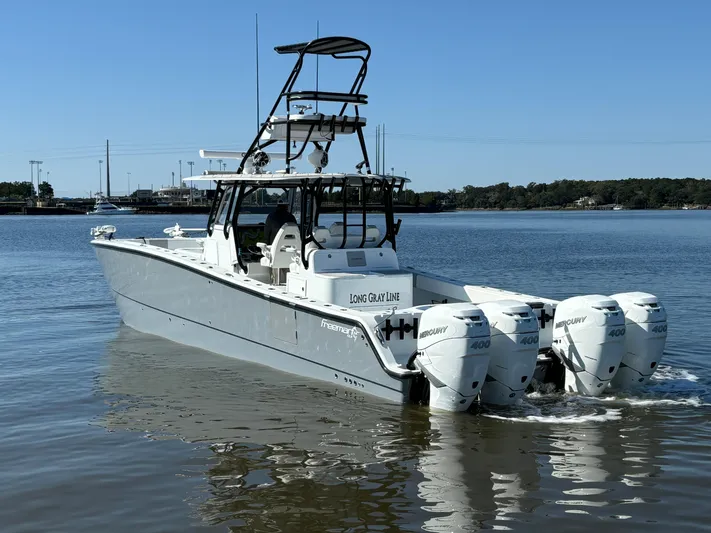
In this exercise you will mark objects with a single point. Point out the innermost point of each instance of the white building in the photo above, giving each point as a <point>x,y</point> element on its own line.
<point>178,194</point>
<point>585,201</point>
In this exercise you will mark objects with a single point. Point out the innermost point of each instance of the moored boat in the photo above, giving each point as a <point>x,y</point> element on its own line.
<point>104,207</point>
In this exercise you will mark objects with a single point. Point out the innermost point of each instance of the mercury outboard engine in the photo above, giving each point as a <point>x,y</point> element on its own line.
<point>514,349</point>
<point>646,323</point>
<point>589,338</point>
<point>453,353</point>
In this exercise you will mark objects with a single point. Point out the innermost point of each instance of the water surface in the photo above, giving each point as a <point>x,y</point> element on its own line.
<point>103,428</point>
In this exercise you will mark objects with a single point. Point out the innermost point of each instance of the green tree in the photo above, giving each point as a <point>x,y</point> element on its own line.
<point>17,189</point>
<point>46,190</point>
<point>429,199</point>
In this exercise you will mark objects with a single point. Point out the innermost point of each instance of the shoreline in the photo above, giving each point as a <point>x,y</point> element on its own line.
<point>204,210</point>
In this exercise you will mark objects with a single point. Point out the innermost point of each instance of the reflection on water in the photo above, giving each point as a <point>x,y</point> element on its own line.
<point>588,466</point>
<point>290,454</point>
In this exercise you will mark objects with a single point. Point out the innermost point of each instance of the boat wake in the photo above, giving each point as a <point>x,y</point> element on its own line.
<point>668,373</point>
<point>669,387</point>
<point>604,416</point>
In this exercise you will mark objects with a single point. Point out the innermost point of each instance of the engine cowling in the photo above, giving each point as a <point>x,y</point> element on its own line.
<point>588,336</point>
<point>646,336</point>
<point>514,349</point>
<point>453,353</point>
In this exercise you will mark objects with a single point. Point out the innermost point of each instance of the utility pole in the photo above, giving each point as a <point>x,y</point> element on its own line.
<point>377,149</point>
<point>100,162</point>
<point>219,162</point>
<point>191,163</point>
<point>108,175</point>
<point>32,173</point>
<point>224,166</point>
<point>39,173</point>
<point>383,134</point>
<point>128,193</point>
<point>210,163</point>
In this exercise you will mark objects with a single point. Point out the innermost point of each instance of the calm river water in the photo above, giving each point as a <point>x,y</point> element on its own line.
<point>105,429</point>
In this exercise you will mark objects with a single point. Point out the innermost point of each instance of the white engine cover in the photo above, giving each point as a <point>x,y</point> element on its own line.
<point>514,349</point>
<point>646,322</point>
<point>453,345</point>
<point>589,337</point>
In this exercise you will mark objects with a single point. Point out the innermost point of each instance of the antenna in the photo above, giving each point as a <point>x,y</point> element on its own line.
<point>256,51</point>
<point>317,35</point>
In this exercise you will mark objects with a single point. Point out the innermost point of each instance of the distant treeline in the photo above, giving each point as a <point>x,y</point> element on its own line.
<point>631,193</point>
<point>19,190</point>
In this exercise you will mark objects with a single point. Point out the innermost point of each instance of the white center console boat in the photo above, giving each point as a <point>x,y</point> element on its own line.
<point>103,207</point>
<point>332,301</point>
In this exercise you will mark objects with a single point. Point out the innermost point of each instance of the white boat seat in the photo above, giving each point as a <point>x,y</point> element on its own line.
<point>322,235</point>
<point>372,236</point>
<point>280,253</point>
<point>336,229</point>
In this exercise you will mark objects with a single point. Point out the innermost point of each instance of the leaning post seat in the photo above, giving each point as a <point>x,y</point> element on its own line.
<point>280,253</point>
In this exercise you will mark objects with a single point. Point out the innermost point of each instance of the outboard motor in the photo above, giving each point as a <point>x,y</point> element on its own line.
<point>514,349</point>
<point>453,353</point>
<point>588,337</point>
<point>646,336</point>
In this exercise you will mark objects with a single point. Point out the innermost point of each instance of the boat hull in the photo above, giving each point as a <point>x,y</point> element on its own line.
<point>113,213</point>
<point>171,300</point>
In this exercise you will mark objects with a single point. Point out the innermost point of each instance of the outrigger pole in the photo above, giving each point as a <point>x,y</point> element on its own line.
<point>256,51</point>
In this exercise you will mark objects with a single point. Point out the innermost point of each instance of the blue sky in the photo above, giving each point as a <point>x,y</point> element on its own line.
<point>471,92</point>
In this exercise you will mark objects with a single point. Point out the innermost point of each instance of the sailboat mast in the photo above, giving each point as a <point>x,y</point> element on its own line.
<point>108,178</point>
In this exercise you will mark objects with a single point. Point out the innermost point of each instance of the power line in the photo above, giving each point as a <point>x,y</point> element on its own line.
<point>505,140</point>
<point>157,149</point>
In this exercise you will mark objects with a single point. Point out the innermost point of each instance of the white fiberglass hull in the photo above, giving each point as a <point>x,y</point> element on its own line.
<point>164,288</point>
<point>113,212</point>
<point>168,297</point>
